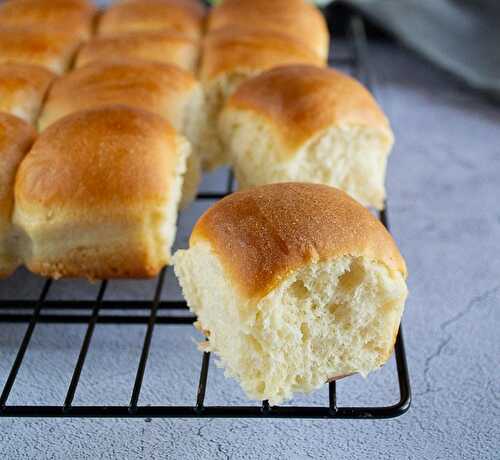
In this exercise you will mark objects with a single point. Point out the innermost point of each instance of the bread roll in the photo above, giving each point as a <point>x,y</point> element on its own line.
<point>162,88</point>
<point>309,124</point>
<point>232,55</point>
<point>158,46</point>
<point>70,16</point>
<point>97,194</point>
<point>22,89</point>
<point>297,18</point>
<point>16,137</point>
<point>51,49</point>
<point>183,16</point>
<point>294,284</point>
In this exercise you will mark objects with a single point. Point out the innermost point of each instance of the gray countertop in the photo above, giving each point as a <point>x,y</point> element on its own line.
<point>444,189</point>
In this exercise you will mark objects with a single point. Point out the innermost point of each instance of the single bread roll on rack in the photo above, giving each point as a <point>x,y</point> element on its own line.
<point>23,88</point>
<point>161,88</point>
<point>294,285</point>
<point>308,124</point>
<point>232,55</point>
<point>16,138</point>
<point>97,195</point>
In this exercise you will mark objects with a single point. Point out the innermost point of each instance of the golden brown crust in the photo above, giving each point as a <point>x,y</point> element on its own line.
<point>232,49</point>
<point>300,101</point>
<point>182,16</point>
<point>16,137</point>
<point>159,46</point>
<point>296,18</point>
<point>71,16</point>
<point>98,160</point>
<point>48,48</point>
<point>160,88</point>
<point>23,87</point>
<point>262,234</point>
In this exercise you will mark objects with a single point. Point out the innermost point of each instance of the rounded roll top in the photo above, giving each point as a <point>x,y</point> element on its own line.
<point>251,50</point>
<point>114,156</point>
<point>301,100</point>
<point>297,18</point>
<point>262,234</point>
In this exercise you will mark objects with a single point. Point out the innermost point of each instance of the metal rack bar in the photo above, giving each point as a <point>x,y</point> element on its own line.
<point>84,348</point>
<point>147,344</point>
<point>43,311</point>
<point>24,345</point>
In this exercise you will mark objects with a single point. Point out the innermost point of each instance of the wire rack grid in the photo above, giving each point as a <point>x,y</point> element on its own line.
<point>101,311</point>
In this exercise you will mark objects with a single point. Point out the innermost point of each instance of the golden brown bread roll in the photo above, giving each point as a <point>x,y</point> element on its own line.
<point>182,16</point>
<point>294,284</point>
<point>159,46</point>
<point>229,57</point>
<point>97,194</point>
<point>75,17</point>
<point>16,137</point>
<point>309,124</point>
<point>296,18</point>
<point>51,49</point>
<point>22,89</point>
<point>161,88</point>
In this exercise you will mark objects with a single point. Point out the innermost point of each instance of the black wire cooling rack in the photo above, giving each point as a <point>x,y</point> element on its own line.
<point>101,311</point>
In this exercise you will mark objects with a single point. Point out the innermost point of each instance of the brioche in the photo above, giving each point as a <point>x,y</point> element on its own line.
<point>182,16</point>
<point>22,89</point>
<point>230,56</point>
<point>97,195</point>
<point>51,49</point>
<point>16,137</point>
<point>162,88</point>
<point>75,17</point>
<point>297,18</point>
<point>302,123</point>
<point>158,46</point>
<point>294,285</point>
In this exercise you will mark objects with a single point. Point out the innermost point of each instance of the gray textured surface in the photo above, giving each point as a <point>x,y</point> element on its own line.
<point>444,200</point>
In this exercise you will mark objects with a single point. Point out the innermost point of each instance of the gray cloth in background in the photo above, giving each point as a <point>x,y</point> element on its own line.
<point>461,36</point>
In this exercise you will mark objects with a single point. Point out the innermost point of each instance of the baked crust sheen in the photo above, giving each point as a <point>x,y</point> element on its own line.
<point>296,18</point>
<point>183,16</point>
<point>147,85</point>
<point>52,49</point>
<point>231,49</point>
<point>16,137</point>
<point>73,16</point>
<point>158,46</point>
<point>23,87</point>
<point>110,158</point>
<point>262,234</point>
<point>299,101</point>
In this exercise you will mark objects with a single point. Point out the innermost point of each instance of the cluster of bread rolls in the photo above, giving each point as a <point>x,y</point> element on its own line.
<point>106,120</point>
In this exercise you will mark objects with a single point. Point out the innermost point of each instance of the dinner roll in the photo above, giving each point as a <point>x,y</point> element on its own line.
<point>22,89</point>
<point>182,16</point>
<point>232,55</point>
<point>158,46</point>
<point>309,124</point>
<point>294,285</point>
<point>296,18</point>
<point>16,137</point>
<point>97,194</point>
<point>51,49</point>
<point>161,88</point>
<point>71,16</point>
